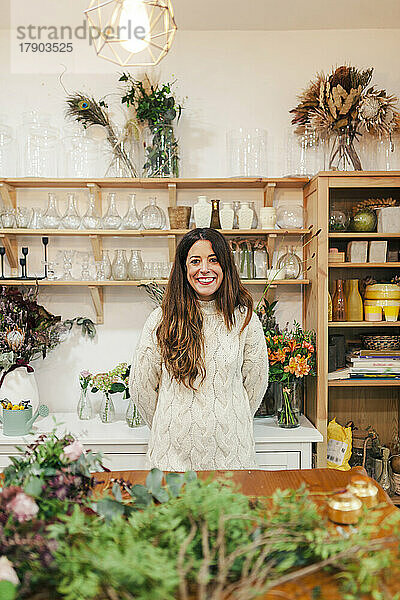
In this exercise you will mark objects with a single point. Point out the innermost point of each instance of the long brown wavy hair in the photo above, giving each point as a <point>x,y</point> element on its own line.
<point>180,333</point>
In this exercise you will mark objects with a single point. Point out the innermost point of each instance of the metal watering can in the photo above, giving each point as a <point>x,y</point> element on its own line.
<point>19,422</point>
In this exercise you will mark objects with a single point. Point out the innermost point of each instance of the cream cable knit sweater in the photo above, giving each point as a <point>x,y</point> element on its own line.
<point>211,428</point>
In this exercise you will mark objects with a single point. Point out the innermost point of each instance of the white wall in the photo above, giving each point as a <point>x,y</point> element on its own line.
<point>230,79</point>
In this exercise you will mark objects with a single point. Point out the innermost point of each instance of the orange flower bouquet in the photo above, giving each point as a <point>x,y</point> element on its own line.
<point>291,357</point>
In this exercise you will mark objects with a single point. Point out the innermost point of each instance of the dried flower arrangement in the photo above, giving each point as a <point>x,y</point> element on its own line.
<point>175,537</point>
<point>28,330</point>
<point>342,106</point>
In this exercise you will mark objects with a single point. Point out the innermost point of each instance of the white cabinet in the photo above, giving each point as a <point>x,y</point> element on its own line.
<point>125,449</point>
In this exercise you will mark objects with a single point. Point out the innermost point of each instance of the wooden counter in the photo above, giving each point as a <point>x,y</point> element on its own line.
<point>264,483</point>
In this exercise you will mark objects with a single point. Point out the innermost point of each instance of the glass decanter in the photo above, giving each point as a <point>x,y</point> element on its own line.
<point>131,219</point>
<point>135,265</point>
<point>71,219</point>
<point>120,266</point>
<point>91,218</point>
<point>152,216</point>
<point>111,219</point>
<point>291,263</point>
<point>106,264</point>
<point>51,218</point>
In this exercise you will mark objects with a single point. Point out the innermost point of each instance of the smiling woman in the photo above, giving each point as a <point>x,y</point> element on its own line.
<point>200,369</point>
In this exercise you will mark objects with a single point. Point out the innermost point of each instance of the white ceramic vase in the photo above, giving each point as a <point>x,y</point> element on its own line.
<point>226,215</point>
<point>245,216</point>
<point>202,212</point>
<point>20,385</point>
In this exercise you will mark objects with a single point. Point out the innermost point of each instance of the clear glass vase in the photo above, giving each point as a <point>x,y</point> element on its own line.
<point>84,408</point>
<point>107,409</point>
<point>247,152</point>
<point>161,152</point>
<point>120,266</point>
<point>131,219</point>
<point>91,218</point>
<point>112,218</point>
<point>135,266</point>
<point>107,268</point>
<point>152,216</point>
<point>81,154</point>
<point>343,151</point>
<point>132,416</point>
<point>71,219</point>
<point>289,404</point>
<point>123,158</point>
<point>51,218</point>
<point>290,263</point>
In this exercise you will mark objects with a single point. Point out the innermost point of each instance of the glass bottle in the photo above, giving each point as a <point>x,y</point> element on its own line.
<point>91,218</point>
<point>120,266</point>
<point>111,219</point>
<point>135,265</point>
<point>152,216</point>
<point>291,263</point>
<point>51,218</point>
<point>131,219</point>
<point>84,408</point>
<point>106,264</point>
<point>132,416</point>
<point>226,215</point>
<point>329,307</point>
<point>254,224</point>
<point>215,222</point>
<point>202,212</point>
<point>384,479</point>
<point>338,302</point>
<point>71,219</point>
<point>245,216</point>
<point>107,409</point>
<point>288,404</point>
<point>355,309</point>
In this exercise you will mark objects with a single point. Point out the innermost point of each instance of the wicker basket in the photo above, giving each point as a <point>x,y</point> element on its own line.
<point>179,216</point>
<point>381,342</point>
<point>396,483</point>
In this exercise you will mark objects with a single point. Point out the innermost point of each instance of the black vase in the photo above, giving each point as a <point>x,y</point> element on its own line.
<point>267,407</point>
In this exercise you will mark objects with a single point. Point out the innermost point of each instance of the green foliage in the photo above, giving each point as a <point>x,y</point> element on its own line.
<point>154,104</point>
<point>8,591</point>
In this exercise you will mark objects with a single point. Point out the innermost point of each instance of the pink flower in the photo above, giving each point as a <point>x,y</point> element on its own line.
<point>23,507</point>
<point>74,450</point>
<point>7,572</point>
<point>85,374</point>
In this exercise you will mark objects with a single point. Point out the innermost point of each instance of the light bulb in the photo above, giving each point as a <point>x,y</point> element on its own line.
<point>134,26</point>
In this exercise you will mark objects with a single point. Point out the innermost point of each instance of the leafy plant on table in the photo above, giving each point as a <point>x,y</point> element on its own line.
<point>155,106</point>
<point>55,471</point>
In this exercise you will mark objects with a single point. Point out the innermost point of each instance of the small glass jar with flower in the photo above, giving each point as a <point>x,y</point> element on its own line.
<point>84,408</point>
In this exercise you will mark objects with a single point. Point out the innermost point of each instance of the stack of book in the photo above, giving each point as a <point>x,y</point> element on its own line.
<point>375,364</point>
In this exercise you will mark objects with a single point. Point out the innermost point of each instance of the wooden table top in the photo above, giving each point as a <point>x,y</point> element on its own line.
<point>264,483</point>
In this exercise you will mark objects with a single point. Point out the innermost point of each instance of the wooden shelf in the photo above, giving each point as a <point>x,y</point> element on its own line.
<point>351,235</point>
<point>349,265</point>
<point>364,383</point>
<point>336,324</point>
<point>159,183</point>
<point>108,283</point>
<point>144,232</point>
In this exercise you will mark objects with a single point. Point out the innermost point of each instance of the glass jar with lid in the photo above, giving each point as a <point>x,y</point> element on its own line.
<point>38,144</point>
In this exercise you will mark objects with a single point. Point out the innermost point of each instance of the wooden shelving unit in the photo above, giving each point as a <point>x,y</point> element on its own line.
<point>373,402</point>
<point>9,238</point>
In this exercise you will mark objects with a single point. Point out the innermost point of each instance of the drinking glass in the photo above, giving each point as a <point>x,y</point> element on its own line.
<point>23,216</point>
<point>8,218</point>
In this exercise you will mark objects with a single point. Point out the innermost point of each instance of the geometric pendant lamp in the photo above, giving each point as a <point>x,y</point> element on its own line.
<point>131,33</point>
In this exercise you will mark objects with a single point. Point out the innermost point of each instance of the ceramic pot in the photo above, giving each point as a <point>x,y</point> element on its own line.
<point>20,385</point>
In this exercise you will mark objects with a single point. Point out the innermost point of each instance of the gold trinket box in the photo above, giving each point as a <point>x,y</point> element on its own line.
<point>344,508</point>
